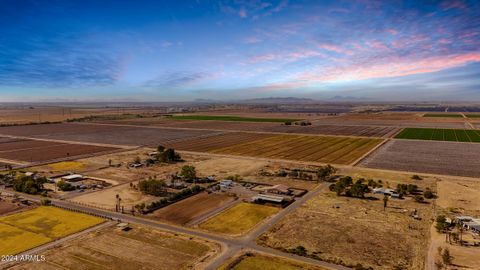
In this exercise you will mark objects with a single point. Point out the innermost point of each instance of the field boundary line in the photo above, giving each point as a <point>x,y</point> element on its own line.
<point>369,152</point>
<point>212,213</point>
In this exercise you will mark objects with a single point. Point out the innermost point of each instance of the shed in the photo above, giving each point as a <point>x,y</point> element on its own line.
<point>73,177</point>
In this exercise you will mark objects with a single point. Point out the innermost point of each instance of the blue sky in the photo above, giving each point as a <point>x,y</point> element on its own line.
<point>183,50</point>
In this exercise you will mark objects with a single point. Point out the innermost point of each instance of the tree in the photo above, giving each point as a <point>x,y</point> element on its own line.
<point>416,177</point>
<point>188,173</point>
<point>428,194</point>
<point>160,148</point>
<point>109,163</point>
<point>29,184</point>
<point>65,186</point>
<point>152,186</point>
<point>342,184</point>
<point>442,224</point>
<point>419,199</point>
<point>446,257</point>
<point>385,202</point>
<point>325,172</point>
<point>168,156</point>
<point>358,190</point>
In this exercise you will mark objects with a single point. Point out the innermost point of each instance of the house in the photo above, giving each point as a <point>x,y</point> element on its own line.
<point>268,198</point>
<point>226,183</point>
<point>72,178</point>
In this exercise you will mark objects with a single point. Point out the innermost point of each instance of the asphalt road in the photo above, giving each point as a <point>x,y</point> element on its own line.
<point>231,246</point>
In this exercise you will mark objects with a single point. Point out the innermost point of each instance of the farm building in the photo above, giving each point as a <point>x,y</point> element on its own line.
<point>277,189</point>
<point>226,183</point>
<point>268,198</point>
<point>469,223</point>
<point>386,191</point>
<point>72,178</point>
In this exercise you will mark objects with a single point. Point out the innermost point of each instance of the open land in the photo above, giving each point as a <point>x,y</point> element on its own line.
<point>192,208</point>
<point>28,229</point>
<point>455,135</point>
<point>353,231</point>
<point>8,207</point>
<point>104,134</point>
<point>39,151</point>
<point>339,150</point>
<point>448,115</point>
<point>263,262</point>
<point>231,118</point>
<point>449,158</point>
<point>138,248</point>
<point>239,219</point>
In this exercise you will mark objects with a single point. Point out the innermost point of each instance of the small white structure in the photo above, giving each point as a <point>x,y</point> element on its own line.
<point>268,198</point>
<point>72,177</point>
<point>226,183</point>
<point>386,191</point>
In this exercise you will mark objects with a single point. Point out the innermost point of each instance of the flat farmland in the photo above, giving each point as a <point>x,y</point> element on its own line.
<point>356,231</point>
<point>28,229</point>
<point>105,134</point>
<point>192,208</point>
<point>455,135</point>
<point>8,207</point>
<point>37,151</point>
<point>138,248</point>
<point>232,118</point>
<point>238,219</point>
<point>209,143</point>
<point>448,115</point>
<point>344,130</point>
<point>449,158</point>
<point>339,150</point>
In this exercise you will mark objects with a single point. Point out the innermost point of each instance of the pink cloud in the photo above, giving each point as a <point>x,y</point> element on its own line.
<point>394,68</point>
<point>335,48</point>
<point>392,31</point>
<point>262,58</point>
<point>289,57</point>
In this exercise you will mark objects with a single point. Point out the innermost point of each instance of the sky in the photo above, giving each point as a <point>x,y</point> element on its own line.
<point>61,50</point>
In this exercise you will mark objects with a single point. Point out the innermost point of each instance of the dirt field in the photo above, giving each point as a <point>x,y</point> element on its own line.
<point>239,219</point>
<point>449,158</point>
<point>139,248</point>
<point>257,261</point>
<point>106,199</point>
<point>350,231</point>
<point>8,207</point>
<point>191,208</point>
<point>39,151</point>
<point>105,134</point>
<point>461,194</point>
<point>339,150</point>
<point>28,229</point>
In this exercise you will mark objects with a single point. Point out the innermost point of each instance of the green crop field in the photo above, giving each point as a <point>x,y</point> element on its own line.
<point>231,118</point>
<point>454,135</point>
<point>472,115</point>
<point>450,115</point>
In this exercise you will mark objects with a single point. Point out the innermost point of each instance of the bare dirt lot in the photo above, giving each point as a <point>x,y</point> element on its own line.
<point>351,231</point>
<point>139,248</point>
<point>104,134</point>
<point>191,208</point>
<point>461,194</point>
<point>449,158</point>
<point>7,207</point>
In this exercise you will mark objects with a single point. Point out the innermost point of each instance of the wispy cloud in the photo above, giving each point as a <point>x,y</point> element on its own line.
<point>177,79</point>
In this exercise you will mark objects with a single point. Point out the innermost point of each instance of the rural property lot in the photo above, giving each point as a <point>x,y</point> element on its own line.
<point>28,229</point>
<point>339,150</point>
<point>350,231</point>
<point>239,219</point>
<point>192,208</point>
<point>35,151</point>
<point>139,248</point>
<point>449,158</point>
<point>264,262</point>
<point>455,135</point>
<point>105,134</point>
<point>7,207</point>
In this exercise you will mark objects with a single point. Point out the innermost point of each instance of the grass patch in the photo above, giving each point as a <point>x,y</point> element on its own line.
<point>66,166</point>
<point>231,118</point>
<point>239,219</point>
<point>25,230</point>
<point>454,135</point>
<point>472,115</point>
<point>449,115</point>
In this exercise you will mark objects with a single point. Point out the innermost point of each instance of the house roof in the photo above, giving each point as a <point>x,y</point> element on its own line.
<point>271,198</point>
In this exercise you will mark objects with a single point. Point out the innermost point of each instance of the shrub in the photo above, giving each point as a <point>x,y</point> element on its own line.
<point>152,187</point>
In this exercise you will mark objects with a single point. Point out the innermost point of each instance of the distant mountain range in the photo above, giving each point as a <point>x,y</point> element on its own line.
<point>286,100</point>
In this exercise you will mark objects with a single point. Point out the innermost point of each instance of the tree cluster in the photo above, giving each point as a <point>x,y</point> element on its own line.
<point>29,184</point>
<point>173,198</point>
<point>65,186</point>
<point>325,172</point>
<point>188,173</point>
<point>152,186</point>
<point>167,155</point>
<point>345,186</point>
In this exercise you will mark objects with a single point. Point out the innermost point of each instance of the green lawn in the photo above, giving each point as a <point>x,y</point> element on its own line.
<point>454,135</point>
<point>231,118</point>
<point>450,115</point>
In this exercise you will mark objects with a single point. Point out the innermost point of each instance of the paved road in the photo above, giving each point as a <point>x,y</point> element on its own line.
<point>231,246</point>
